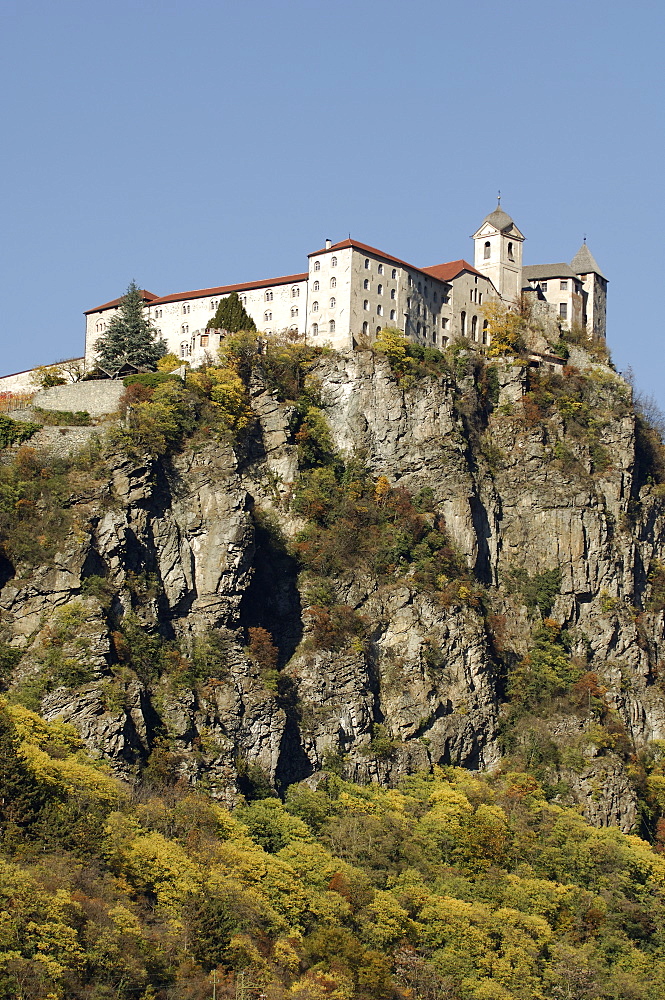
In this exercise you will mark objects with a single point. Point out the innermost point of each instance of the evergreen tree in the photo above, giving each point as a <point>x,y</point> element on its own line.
<point>130,338</point>
<point>231,316</point>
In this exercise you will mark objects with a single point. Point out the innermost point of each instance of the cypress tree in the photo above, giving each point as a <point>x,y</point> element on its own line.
<point>130,338</point>
<point>231,316</point>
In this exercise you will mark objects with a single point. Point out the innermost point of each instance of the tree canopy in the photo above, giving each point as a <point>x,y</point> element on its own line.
<point>231,316</point>
<point>131,337</point>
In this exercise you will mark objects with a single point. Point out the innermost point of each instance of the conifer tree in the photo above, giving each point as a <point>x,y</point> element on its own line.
<point>130,338</point>
<point>231,316</point>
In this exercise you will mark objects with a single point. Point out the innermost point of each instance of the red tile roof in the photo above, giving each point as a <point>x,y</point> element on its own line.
<point>146,296</point>
<point>442,272</point>
<point>450,270</point>
<point>200,293</point>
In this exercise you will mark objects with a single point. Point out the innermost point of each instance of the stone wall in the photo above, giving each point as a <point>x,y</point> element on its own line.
<point>96,398</point>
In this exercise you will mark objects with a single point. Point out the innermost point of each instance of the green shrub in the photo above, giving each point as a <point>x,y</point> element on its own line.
<point>15,431</point>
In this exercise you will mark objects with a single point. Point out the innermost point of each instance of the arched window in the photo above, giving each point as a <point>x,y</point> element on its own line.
<point>365,304</point>
<point>315,306</point>
<point>511,255</point>
<point>420,288</point>
<point>378,329</point>
<point>365,327</point>
<point>267,316</point>
<point>315,328</point>
<point>293,329</point>
<point>474,328</point>
<point>317,265</point>
<point>184,329</point>
<point>316,286</point>
<point>462,320</point>
<point>367,263</point>
<point>394,272</point>
<point>487,250</point>
<point>333,303</point>
<point>418,329</point>
<point>185,308</point>
<point>295,292</point>
<point>100,327</point>
<point>213,304</point>
<point>392,314</point>
<point>294,310</point>
<point>331,326</point>
<point>184,347</point>
<point>333,261</point>
<point>366,283</point>
<point>379,310</point>
<point>434,336</point>
<point>393,293</point>
<point>380,268</point>
<point>484,331</point>
<point>268,295</point>
<point>379,289</point>
<point>333,282</point>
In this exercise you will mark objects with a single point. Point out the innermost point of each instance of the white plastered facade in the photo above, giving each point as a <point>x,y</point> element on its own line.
<point>351,291</point>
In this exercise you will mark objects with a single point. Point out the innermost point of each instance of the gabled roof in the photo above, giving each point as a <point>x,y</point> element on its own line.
<point>450,270</point>
<point>442,272</point>
<point>201,293</point>
<point>534,271</point>
<point>355,245</point>
<point>146,296</point>
<point>584,261</point>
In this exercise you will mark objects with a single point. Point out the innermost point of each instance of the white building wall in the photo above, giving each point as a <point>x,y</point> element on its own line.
<point>329,298</point>
<point>504,265</point>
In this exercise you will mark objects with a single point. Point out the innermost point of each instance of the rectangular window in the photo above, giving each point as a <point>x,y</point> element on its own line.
<point>563,286</point>
<point>543,285</point>
<point>563,310</point>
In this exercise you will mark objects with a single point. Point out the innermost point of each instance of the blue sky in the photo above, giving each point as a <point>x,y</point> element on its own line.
<point>187,145</point>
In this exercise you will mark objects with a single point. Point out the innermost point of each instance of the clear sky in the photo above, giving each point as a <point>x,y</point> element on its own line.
<point>194,144</point>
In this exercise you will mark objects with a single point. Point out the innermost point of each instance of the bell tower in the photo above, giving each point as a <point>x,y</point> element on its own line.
<point>498,253</point>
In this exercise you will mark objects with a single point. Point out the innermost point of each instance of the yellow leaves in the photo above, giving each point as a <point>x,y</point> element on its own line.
<point>505,329</point>
<point>388,922</point>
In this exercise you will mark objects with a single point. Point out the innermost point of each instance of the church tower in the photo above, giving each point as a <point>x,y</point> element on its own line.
<point>498,253</point>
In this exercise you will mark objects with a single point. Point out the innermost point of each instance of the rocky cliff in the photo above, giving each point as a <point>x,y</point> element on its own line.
<point>542,487</point>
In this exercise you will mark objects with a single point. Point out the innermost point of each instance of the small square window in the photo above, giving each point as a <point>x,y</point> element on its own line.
<point>563,286</point>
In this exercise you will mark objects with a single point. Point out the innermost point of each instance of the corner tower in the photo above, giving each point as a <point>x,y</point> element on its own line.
<point>498,253</point>
<point>594,285</point>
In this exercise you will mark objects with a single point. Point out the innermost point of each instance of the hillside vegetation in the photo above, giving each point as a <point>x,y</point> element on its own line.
<point>343,672</point>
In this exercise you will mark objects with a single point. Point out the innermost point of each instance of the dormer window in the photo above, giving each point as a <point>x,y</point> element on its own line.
<point>487,250</point>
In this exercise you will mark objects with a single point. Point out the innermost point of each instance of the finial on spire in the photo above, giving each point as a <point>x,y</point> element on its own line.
<point>585,237</point>
<point>498,200</point>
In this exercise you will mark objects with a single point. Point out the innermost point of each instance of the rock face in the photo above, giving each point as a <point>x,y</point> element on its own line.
<point>181,547</point>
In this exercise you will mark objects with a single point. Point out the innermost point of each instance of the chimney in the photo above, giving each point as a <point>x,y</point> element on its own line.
<point>328,244</point>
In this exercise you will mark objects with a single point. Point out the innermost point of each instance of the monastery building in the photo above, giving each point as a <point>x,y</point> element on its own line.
<point>350,291</point>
